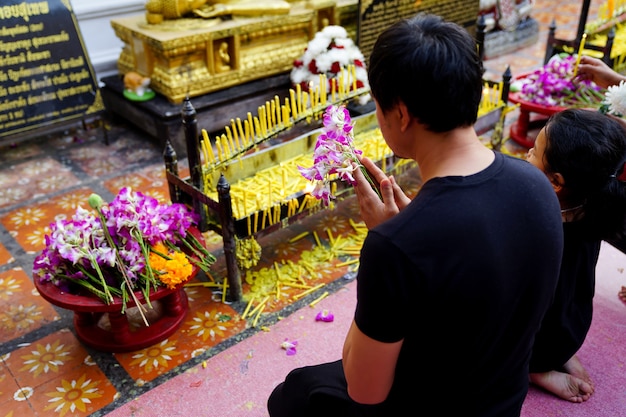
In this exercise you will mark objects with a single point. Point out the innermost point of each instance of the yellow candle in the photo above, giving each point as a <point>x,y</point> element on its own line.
<point>257,127</point>
<point>485,98</point>
<point>305,101</point>
<point>247,127</point>
<point>251,126</point>
<point>299,98</point>
<point>224,291</point>
<point>277,110</point>
<point>353,68</point>
<point>220,153</point>
<point>340,83</point>
<point>262,121</point>
<point>227,151</point>
<point>236,134</point>
<point>230,139</point>
<point>298,237</point>
<point>294,107</point>
<point>256,318</point>
<point>580,52</point>
<point>287,116</point>
<point>207,142</point>
<point>256,219</point>
<point>610,8</point>
<point>259,306</point>
<point>205,153</point>
<point>333,88</point>
<point>247,309</point>
<point>267,114</point>
<point>244,139</point>
<point>318,299</point>
<point>271,114</point>
<point>309,291</point>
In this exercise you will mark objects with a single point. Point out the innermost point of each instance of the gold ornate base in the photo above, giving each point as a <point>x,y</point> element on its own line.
<point>190,57</point>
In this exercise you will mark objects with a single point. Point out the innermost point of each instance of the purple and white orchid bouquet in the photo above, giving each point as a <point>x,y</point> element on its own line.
<point>133,243</point>
<point>334,154</point>
<point>555,85</point>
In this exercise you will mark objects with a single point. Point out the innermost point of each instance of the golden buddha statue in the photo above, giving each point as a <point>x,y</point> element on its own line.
<point>159,10</point>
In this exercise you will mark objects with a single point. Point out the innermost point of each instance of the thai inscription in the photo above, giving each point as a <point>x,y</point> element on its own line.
<point>45,73</point>
<point>377,15</point>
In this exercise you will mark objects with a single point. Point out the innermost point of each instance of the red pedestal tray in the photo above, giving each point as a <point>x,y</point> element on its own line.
<point>524,123</point>
<point>122,334</point>
<point>103,326</point>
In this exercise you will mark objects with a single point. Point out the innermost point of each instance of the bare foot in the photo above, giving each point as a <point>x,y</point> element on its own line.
<point>622,294</point>
<point>576,369</point>
<point>563,385</point>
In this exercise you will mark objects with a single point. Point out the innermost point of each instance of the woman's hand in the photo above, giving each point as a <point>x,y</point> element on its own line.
<point>373,210</point>
<point>596,70</point>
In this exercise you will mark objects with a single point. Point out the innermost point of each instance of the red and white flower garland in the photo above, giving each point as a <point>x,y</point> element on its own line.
<point>327,53</point>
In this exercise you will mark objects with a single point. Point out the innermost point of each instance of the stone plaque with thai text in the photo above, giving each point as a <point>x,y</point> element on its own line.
<point>376,15</point>
<point>45,74</point>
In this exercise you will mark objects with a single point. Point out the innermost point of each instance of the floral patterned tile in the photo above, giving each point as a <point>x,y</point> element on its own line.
<point>5,256</point>
<point>28,225</point>
<point>201,329</point>
<point>150,181</point>
<point>22,310</point>
<point>36,363</point>
<point>34,179</point>
<point>13,399</point>
<point>78,392</point>
<point>22,150</point>
<point>98,159</point>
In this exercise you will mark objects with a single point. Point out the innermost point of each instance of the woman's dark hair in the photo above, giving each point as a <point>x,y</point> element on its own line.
<point>588,149</point>
<point>433,67</point>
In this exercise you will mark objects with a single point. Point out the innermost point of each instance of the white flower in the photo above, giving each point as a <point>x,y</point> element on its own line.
<point>615,98</point>
<point>328,52</point>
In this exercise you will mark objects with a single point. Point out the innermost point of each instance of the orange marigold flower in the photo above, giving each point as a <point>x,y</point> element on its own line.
<point>172,271</point>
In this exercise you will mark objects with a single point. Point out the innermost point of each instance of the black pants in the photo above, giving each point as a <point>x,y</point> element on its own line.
<point>318,391</point>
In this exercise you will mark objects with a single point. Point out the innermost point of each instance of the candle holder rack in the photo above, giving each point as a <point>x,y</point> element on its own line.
<point>246,151</point>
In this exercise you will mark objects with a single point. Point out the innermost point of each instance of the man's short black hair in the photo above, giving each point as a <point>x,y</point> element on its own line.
<point>433,67</point>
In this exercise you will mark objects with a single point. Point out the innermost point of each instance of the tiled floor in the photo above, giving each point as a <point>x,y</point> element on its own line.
<point>44,369</point>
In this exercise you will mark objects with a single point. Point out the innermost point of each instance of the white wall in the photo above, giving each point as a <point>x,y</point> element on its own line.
<point>94,19</point>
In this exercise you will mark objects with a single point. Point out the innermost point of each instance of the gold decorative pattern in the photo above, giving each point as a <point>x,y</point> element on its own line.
<point>179,55</point>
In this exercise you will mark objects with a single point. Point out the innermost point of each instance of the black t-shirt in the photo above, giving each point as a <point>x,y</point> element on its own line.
<point>463,275</point>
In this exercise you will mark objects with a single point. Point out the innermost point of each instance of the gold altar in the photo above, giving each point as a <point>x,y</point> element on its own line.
<point>191,57</point>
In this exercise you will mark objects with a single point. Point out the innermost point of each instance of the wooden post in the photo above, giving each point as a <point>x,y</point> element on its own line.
<point>228,236</point>
<point>506,84</point>
<point>480,37</point>
<point>582,21</point>
<point>171,165</point>
<point>190,124</point>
